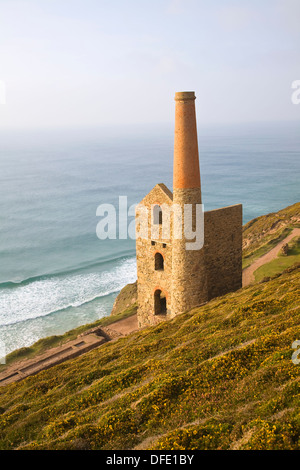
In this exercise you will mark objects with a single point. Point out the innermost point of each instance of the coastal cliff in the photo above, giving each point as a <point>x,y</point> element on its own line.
<point>127,298</point>
<point>218,377</point>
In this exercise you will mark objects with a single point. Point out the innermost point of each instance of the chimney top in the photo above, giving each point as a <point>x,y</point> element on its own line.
<point>185,95</point>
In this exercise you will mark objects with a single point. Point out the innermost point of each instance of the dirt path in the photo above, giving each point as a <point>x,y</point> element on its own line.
<point>248,273</point>
<point>122,327</point>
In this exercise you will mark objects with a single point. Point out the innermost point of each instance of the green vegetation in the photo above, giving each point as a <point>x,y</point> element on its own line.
<point>265,248</point>
<point>125,299</point>
<point>281,263</point>
<point>53,341</point>
<point>217,377</point>
<point>260,235</point>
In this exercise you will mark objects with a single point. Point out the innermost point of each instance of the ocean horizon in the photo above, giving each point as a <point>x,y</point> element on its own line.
<point>55,273</point>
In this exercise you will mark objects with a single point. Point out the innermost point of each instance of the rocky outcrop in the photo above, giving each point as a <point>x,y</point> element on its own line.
<point>126,298</point>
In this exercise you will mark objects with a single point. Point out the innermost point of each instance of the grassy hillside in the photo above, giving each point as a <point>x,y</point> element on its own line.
<point>262,234</point>
<point>218,377</point>
<point>259,236</point>
<point>281,262</point>
<point>126,298</point>
<point>44,344</point>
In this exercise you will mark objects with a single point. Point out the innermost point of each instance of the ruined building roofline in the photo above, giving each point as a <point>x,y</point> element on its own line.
<point>169,194</point>
<point>166,190</point>
<point>226,207</point>
<point>163,190</point>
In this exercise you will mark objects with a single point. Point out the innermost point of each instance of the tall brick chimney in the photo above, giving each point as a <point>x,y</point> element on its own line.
<point>186,173</point>
<point>189,287</point>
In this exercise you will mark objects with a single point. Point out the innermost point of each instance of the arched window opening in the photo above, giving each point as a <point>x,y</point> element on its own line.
<point>159,262</point>
<point>157,215</point>
<point>160,303</point>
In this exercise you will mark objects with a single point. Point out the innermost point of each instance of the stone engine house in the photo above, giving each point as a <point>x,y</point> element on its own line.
<point>170,278</point>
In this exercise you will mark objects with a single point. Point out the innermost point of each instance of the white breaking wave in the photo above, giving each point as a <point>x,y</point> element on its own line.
<point>46,296</point>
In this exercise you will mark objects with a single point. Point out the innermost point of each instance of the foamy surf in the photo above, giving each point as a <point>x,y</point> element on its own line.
<point>44,297</point>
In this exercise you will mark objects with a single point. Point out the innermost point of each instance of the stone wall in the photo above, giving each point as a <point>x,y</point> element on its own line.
<point>150,280</point>
<point>223,250</point>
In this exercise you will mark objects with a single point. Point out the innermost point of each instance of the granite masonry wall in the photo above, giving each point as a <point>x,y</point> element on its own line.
<point>151,281</point>
<point>223,250</point>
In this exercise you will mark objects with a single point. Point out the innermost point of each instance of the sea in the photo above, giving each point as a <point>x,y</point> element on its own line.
<point>55,273</point>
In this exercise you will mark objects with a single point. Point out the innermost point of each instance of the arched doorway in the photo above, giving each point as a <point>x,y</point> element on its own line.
<point>160,303</point>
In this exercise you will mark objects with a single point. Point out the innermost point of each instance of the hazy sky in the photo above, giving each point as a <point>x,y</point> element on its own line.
<point>94,62</point>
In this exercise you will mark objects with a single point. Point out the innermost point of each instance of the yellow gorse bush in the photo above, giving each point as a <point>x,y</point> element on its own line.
<point>219,377</point>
